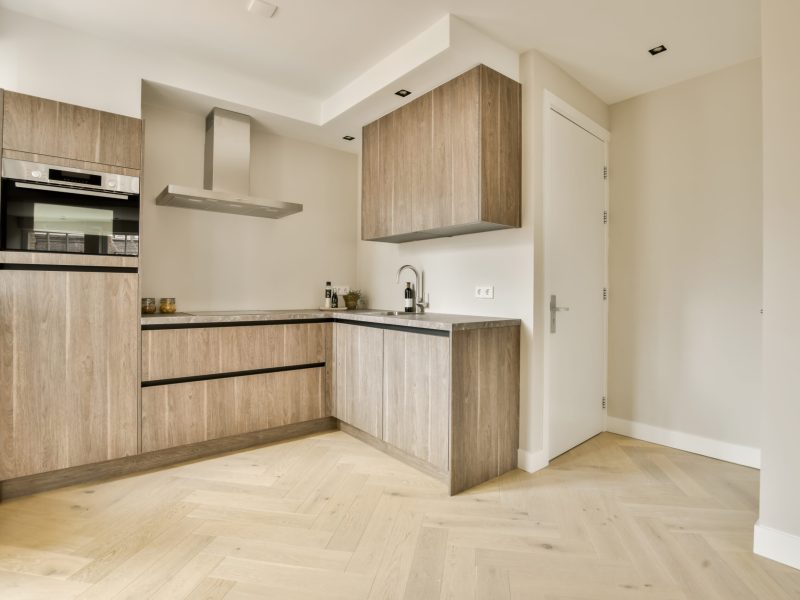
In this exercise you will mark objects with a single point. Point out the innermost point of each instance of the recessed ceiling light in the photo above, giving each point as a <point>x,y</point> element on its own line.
<point>262,8</point>
<point>349,138</point>
<point>658,49</point>
<point>402,93</point>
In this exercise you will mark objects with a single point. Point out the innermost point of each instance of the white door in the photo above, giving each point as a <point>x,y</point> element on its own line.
<point>575,270</point>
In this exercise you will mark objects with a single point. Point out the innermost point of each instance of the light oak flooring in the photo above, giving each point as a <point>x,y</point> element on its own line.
<point>330,517</point>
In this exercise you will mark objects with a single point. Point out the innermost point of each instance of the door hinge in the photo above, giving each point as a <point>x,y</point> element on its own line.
<point>605,172</point>
<point>605,217</point>
<point>604,402</point>
<point>605,293</point>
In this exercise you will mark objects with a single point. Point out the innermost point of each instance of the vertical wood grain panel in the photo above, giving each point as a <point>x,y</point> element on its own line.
<point>304,344</point>
<point>49,128</point>
<point>30,124</point>
<point>359,377</point>
<point>185,413</point>
<point>120,140</point>
<point>417,395</point>
<point>456,142</point>
<point>173,415</point>
<point>187,352</point>
<point>78,134</point>
<point>101,366</point>
<point>418,154</point>
<point>69,369</point>
<point>485,411</point>
<point>501,148</point>
<point>375,207</point>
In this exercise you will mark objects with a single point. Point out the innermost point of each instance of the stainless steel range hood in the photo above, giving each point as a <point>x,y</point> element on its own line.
<point>227,173</point>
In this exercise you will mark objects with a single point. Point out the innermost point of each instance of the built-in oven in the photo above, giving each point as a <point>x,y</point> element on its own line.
<point>48,208</point>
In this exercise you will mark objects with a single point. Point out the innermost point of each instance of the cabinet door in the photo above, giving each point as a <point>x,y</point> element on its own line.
<point>416,412</point>
<point>375,202</point>
<point>456,151</point>
<point>30,124</point>
<point>69,367</point>
<point>358,377</point>
<point>49,128</point>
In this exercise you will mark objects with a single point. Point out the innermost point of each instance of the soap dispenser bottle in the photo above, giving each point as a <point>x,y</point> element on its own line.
<point>409,297</point>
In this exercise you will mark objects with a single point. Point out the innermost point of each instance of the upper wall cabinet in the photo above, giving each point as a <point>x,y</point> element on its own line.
<point>47,128</point>
<point>446,163</point>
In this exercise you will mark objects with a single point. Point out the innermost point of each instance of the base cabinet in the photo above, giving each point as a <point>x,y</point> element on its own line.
<point>447,402</point>
<point>416,402</point>
<point>69,349</point>
<point>358,377</point>
<point>186,413</point>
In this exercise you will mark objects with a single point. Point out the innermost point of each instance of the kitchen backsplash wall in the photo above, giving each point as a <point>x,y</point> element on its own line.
<point>215,261</point>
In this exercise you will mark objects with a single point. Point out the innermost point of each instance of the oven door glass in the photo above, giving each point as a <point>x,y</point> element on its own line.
<point>42,218</point>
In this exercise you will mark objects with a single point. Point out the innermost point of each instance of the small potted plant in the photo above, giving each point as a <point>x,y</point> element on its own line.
<point>351,299</point>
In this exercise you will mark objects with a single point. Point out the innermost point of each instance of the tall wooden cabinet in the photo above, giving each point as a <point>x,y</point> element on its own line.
<point>446,163</point>
<point>69,358</point>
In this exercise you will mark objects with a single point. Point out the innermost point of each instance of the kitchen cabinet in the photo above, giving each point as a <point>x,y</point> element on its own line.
<point>38,128</point>
<point>186,413</point>
<point>446,163</point>
<point>211,382</point>
<point>358,377</point>
<point>69,353</point>
<point>447,401</point>
<point>416,403</point>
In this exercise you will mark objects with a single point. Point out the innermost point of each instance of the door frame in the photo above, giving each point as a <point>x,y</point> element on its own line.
<point>553,103</point>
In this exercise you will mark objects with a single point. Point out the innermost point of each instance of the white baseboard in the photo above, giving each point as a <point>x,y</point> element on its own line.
<point>735,453</point>
<point>777,545</point>
<point>532,461</point>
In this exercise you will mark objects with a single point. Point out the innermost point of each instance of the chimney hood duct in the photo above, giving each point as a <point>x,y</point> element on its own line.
<point>227,173</point>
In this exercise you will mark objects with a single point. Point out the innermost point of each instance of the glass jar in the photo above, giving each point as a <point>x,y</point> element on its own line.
<point>148,306</point>
<point>167,305</point>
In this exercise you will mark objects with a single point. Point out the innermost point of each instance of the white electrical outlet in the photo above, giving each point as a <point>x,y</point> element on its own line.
<point>484,291</point>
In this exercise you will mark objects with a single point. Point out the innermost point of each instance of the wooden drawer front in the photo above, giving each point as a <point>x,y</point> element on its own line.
<point>50,128</point>
<point>174,353</point>
<point>416,410</point>
<point>186,413</point>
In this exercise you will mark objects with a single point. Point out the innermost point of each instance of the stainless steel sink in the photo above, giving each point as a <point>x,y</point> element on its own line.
<point>396,313</point>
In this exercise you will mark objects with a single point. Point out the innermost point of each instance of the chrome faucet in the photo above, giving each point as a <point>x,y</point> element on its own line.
<point>419,292</point>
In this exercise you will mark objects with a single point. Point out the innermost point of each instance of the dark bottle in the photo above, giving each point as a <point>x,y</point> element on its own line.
<point>409,296</point>
<point>334,299</point>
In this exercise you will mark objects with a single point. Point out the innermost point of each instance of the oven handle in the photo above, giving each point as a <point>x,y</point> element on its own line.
<point>52,188</point>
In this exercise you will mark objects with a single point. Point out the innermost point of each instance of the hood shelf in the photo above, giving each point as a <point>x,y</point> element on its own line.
<point>225,202</point>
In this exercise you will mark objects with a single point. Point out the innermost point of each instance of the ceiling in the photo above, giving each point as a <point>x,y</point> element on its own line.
<point>316,47</point>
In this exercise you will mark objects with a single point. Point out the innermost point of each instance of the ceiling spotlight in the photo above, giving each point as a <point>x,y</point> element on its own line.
<point>349,138</point>
<point>262,8</point>
<point>658,49</point>
<point>402,93</point>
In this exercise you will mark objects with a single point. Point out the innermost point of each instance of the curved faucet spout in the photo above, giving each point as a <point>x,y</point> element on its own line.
<point>419,292</point>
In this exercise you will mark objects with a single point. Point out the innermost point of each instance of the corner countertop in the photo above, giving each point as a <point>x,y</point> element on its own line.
<point>438,321</point>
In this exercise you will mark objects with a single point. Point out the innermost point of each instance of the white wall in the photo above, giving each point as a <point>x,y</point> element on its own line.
<point>505,259</point>
<point>777,534</point>
<point>216,261</point>
<point>685,259</point>
<point>47,60</point>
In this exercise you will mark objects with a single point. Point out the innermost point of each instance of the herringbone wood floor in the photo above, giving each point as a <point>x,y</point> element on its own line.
<point>330,517</point>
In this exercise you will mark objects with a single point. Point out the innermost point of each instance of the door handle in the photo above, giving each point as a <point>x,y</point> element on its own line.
<point>554,308</point>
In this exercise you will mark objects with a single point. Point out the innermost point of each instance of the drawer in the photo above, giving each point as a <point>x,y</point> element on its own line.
<point>186,413</point>
<point>193,352</point>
